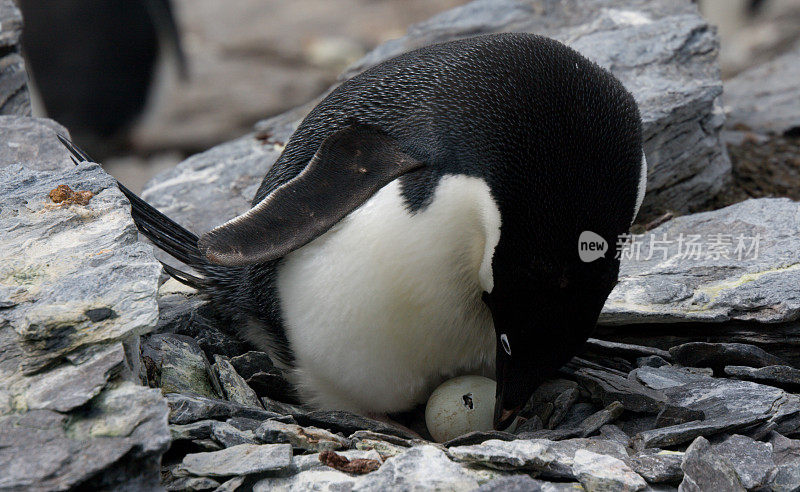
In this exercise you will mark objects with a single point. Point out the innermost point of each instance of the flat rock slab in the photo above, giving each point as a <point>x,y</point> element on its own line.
<point>609,388</point>
<point>419,468</point>
<point>786,377</point>
<point>244,459</point>
<point>77,290</point>
<point>551,459</point>
<point>718,355</point>
<point>743,264</point>
<point>185,409</point>
<point>71,275</point>
<point>766,99</point>
<point>348,423</point>
<point>68,386</point>
<point>728,405</point>
<point>599,472</point>
<point>307,438</point>
<point>663,51</point>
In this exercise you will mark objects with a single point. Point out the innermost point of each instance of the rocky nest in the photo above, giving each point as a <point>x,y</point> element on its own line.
<point>111,378</point>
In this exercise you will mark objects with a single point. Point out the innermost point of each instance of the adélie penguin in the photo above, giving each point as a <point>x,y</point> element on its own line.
<point>423,222</point>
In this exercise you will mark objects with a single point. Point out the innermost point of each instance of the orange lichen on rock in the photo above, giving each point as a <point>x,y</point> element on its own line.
<point>64,195</point>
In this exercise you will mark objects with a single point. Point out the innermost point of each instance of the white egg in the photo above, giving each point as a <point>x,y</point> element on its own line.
<point>460,405</point>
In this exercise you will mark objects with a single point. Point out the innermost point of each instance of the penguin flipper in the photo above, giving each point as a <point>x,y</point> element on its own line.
<point>349,167</point>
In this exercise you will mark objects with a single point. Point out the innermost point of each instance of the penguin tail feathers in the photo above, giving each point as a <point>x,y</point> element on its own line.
<point>164,232</point>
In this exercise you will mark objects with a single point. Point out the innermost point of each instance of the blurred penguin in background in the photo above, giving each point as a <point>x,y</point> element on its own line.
<point>93,62</point>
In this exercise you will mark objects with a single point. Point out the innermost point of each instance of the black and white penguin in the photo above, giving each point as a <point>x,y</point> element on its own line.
<point>423,222</point>
<point>93,61</point>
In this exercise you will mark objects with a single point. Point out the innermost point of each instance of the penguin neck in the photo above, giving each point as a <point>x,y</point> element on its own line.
<point>387,304</point>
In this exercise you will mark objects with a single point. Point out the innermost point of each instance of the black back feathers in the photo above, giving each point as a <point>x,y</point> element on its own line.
<point>348,168</point>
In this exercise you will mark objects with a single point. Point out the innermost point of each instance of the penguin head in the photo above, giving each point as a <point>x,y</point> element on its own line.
<point>561,216</point>
<point>542,310</point>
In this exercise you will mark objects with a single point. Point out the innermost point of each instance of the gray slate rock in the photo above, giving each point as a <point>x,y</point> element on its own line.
<point>306,438</point>
<point>419,468</point>
<point>718,355</point>
<point>191,483</point>
<point>651,361</point>
<point>33,143</point>
<point>552,459</point>
<point>613,433</point>
<point>118,444</point>
<point>67,387</point>
<point>14,97</point>
<point>786,455</point>
<point>228,436</point>
<point>185,409</point>
<point>515,483</point>
<point>348,423</point>
<point>702,284</point>
<point>77,290</point>
<point>280,407</point>
<point>176,364</point>
<point>189,432</point>
<point>673,415</point>
<point>607,388</point>
<point>477,437</point>
<point>86,258</point>
<point>599,472</point>
<point>520,454</point>
<point>524,483</point>
<point>232,485</point>
<point>728,405</point>
<point>663,51</point>
<point>660,378</point>
<point>658,466</point>
<point>562,405</point>
<point>244,459</point>
<point>251,362</point>
<point>705,470</point>
<point>272,385</point>
<point>191,316</point>
<point>682,433</point>
<point>233,385</point>
<point>786,377</point>
<point>752,460</point>
<point>632,351</point>
<point>722,399</point>
<point>594,422</point>
<point>766,99</point>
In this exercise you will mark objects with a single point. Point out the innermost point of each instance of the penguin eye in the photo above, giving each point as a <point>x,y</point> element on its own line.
<point>505,344</point>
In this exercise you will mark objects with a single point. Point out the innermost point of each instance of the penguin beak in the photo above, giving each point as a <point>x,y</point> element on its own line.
<point>504,417</point>
<point>505,409</point>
